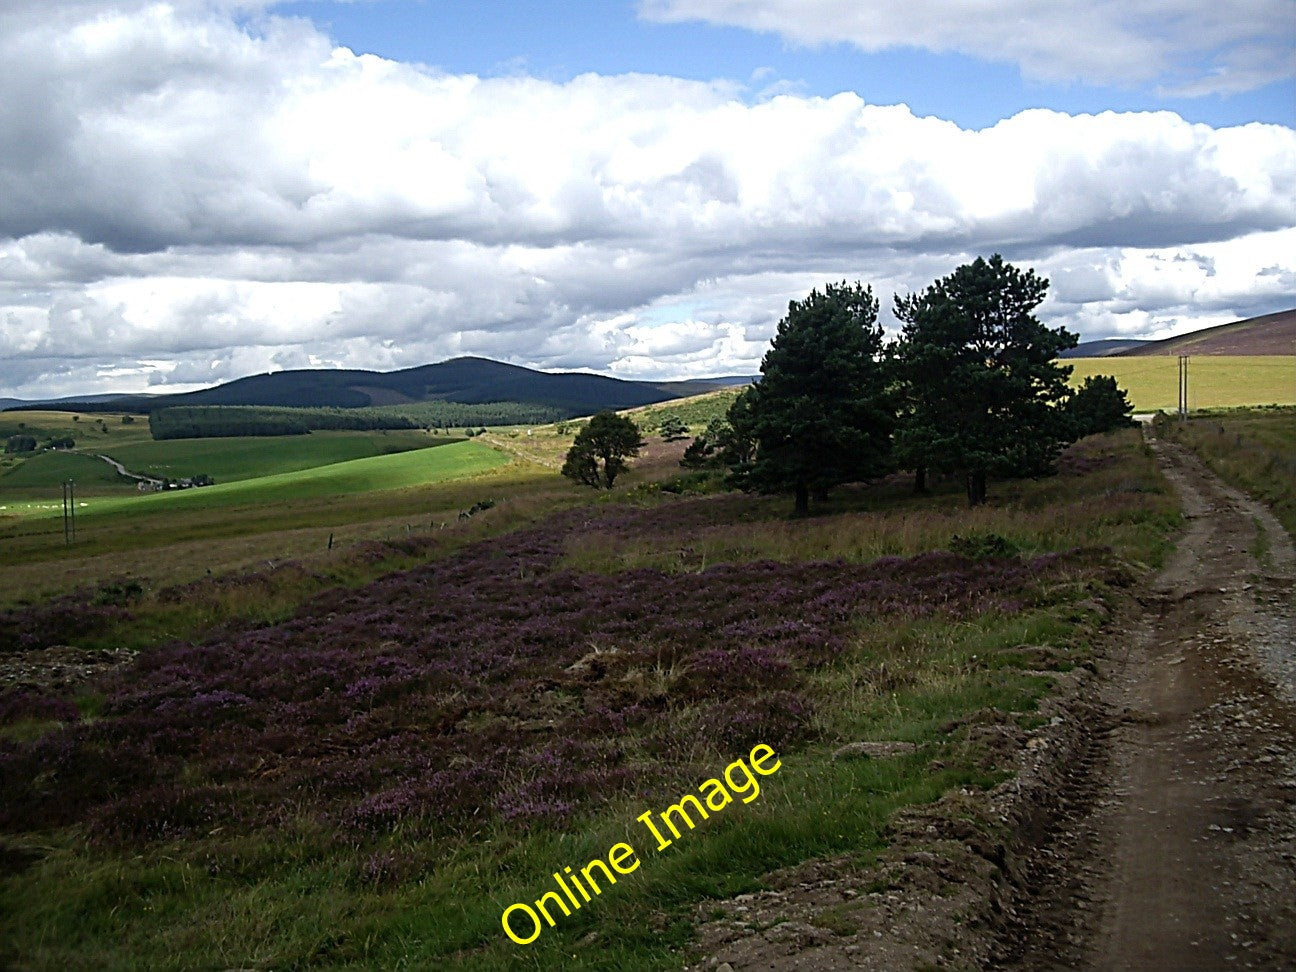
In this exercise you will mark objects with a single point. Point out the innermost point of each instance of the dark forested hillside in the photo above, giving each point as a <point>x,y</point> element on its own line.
<point>469,381</point>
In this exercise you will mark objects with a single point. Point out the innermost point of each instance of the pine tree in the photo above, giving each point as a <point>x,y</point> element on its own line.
<point>672,428</point>
<point>822,414</point>
<point>982,390</point>
<point>1099,405</point>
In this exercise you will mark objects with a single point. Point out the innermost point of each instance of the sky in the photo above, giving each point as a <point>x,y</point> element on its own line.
<point>196,190</point>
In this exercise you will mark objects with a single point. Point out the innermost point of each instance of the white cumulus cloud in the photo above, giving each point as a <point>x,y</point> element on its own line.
<point>187,197</point>
<point>1189,46</point>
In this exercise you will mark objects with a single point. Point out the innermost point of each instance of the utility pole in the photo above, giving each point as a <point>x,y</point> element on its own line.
<point>1183,387</point>
<point>69,512</point>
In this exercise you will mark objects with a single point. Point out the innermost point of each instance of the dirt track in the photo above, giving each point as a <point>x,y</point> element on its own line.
<point>1152,823</point>
<point>1177,849</point>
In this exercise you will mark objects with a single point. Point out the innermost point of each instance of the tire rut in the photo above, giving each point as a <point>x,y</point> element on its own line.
<point>1174,844</point>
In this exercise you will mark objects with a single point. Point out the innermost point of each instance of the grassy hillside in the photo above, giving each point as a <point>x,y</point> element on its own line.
<point>1271,334</point>
<point>373,474</point>
<point>695,411</point>
<point>82,426</point>
<point>43,473</point>
<point>1213,382</point>
<point>229,460</point>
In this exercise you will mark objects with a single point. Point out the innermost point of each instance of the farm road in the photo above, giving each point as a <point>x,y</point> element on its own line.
<point>123,471</point>
<point>1160,834</point>
<point>1178,849</point>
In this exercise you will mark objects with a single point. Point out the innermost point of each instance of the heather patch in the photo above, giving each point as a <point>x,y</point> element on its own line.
<point>18,704</point>
<point>365,778</point>
<point>58,621</point>
<point>443,696</point>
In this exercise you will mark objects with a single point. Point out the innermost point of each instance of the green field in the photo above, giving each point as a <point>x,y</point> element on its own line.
<point>374,473</point>
<point>1213,381</point>
<point>42,474</point>
<point>249,457</point>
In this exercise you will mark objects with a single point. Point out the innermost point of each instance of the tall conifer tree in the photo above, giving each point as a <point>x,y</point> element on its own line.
<point>822,413</point>
<point>983,391</point>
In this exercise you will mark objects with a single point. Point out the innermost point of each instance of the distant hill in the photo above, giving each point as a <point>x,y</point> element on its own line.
<point>1267,335</point>
<point>700,386</point>
<point>73,399</point>
<point>468,381</point>
<point>1101,349</point>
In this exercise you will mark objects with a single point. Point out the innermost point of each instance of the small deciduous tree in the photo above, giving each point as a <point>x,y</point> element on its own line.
<point>1099,405</point>
<point>598,456</point>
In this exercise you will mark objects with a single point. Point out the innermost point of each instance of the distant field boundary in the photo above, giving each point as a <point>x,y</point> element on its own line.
<point>1214,381</point>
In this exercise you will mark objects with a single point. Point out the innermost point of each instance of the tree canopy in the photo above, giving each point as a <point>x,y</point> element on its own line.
<point>597,456</point>
<point>1099,405</point>
<point>822,413</point>
<point>672,428</point>
<point>982,390</point>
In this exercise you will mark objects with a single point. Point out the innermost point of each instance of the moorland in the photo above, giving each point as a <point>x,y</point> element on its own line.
<point>347,705</point>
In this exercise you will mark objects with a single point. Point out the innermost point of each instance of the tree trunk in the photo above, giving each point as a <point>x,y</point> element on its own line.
<point>802,499</point>
<point>920,479</point>
<point>976,488</point>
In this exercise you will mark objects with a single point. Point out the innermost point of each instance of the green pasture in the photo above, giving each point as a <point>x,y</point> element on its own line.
<point>373,473</point>
<point>43,473</point>
<point>1215,381</point>
<point>92,429</point>
<point>250,457</point>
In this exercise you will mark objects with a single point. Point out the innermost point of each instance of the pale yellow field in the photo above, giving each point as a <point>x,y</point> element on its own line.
<point>1213,381</point>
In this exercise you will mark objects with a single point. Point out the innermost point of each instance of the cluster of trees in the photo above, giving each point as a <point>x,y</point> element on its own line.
<point>454,415</point>
<point>218,421</point>
<point>205,421</point>
<point>20,443</point>
<point>972,388</point>
<point>24,442</point>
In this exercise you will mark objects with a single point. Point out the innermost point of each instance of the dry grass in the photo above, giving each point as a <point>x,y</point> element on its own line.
<point>1108,504</point>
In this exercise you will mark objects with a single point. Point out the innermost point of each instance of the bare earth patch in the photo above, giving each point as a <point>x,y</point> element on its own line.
<point>59,668</point>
